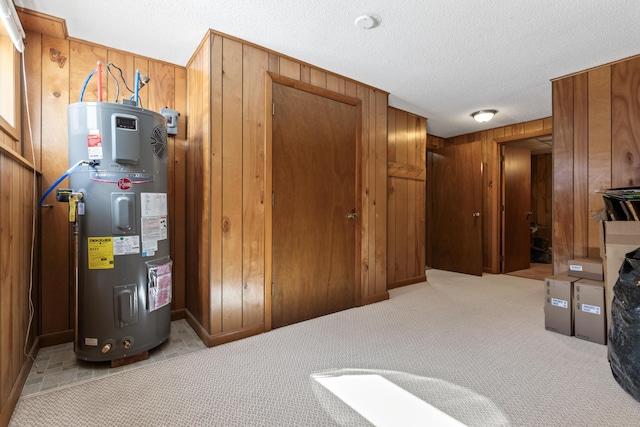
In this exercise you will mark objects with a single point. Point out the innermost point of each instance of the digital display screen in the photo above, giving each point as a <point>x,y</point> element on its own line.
<point>126,123</point>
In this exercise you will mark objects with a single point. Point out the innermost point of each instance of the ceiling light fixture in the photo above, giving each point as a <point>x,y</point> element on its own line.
<point>484,115</point>
<point>367,22</point>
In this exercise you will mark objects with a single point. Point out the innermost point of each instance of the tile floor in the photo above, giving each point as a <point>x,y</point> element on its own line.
<point>59,367</point>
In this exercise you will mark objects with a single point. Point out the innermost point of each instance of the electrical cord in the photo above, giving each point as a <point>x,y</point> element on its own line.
<point>109,64</point>
<point>121,76</point>
<point>33,222</point>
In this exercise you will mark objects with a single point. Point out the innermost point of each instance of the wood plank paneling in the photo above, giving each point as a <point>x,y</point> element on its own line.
<point>161,89</point>
<point>391,197</point>
<point>239,181</point>
<point>562,173</point>
<point>17,210</point>
<point>32,123</point>
<point>406,208</point>
<point>363,94</point>
<point>541,173</point>
<point>55,268</point>
<point>421,201</point>
<point>211,87</point>
<point>232,174</point>
<point>411,200</point>
<point>7,317</point>
<point>178,178</point>
<point>195,295</point>
<point>85,60</point>
<point>380,202</point>
<point>289,68</point>
<point>402,196</point>
<point>604,107</point>
<point>625,151</point>
<point>598,123</point>
<point>116,93</point>
<point>581,152</point>
<point>142,65</point>
<point>255,64</point>
<point>318,78</point>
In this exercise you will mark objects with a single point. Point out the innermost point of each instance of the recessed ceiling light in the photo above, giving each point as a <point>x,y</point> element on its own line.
<point>367,22</point>
<point>484,115</point>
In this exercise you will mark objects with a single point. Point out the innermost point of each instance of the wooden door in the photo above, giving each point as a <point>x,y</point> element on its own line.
<point>455,207</point>
<point>314,167</point>
<point>516,216</point>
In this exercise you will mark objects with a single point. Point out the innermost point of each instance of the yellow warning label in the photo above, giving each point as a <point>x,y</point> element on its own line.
<point>100,253</point>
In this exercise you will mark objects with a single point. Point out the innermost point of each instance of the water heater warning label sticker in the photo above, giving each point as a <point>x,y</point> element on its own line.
<point>154,228</point>
<point>125,245</point>
<point>94,145</point>
<point>100,253</point>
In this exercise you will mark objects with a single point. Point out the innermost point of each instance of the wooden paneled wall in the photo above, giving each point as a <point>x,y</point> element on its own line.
<point>56,70</point>
<point>541,194</point>
<point>491,181</point>
<point>406,204</point>
<point>434,142</point>
<point>596,146</point>
<point>228,260</point>
<point>17,208</point>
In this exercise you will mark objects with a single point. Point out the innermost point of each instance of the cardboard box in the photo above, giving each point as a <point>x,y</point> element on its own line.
<point>617,238</point>
<point>589,321</point>
<point>558,306</point>
<point>586,268</point>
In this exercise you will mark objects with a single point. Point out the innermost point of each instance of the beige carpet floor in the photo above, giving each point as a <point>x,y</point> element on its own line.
<point>474,348</point>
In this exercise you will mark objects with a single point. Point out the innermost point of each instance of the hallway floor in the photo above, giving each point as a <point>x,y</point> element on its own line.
<point>536,271</point>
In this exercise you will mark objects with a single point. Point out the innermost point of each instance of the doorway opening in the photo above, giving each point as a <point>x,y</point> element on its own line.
<point>526,226</point>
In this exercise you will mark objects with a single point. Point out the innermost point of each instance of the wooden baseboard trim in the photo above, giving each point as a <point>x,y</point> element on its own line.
<point>18,385</point>
<point>406,282</point>
<point>224,337</point>
<point>374,299</point>
<point>178,314</point>
<point>55,338</point>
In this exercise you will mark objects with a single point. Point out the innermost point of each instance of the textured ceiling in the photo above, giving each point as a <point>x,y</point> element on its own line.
<point>441,59</point>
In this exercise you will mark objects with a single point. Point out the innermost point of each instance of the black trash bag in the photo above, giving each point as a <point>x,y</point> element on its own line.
<point>624,331</point>
<point>541,256</point>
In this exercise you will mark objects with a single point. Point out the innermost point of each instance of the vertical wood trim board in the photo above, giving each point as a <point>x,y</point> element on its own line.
<point>563,174</point>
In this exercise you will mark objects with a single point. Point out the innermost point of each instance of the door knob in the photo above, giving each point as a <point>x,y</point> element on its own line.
<point>476,214</point>
<point>352,215</point>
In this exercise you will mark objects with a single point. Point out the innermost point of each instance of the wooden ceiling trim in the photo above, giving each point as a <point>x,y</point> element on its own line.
<point>42,23</point>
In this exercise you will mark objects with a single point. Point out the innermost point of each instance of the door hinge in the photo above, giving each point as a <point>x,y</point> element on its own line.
<point>502,208</point>
<point>273,289</point>
<point>501,258</point>
<point>273,108</point>
<point>502,158</point>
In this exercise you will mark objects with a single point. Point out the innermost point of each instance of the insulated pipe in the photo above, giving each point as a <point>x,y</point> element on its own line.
<point>99,81</point>
<point>58,181</point>
<point>76,280</point>
<point>137,83</point>
<point>77,197</point>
